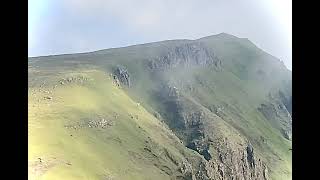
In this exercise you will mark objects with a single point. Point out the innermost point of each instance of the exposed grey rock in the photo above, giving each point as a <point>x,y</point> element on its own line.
<point>220,159</point>
<point>91,123</point>
<point>116,80</point>
<point>186,168</point>
<point>101,123</point>
<point>122,75</point>
<point>218,110</point>
<point>287,101</point>
<point>268,110</point>
<point>265,173</point>
<point>189,54</point>
<point>157,115</point>
<point>277,113</point>
<point>235,163</point>
<point>250,156</point>
<point>287,134</point>
<point>78,79</point>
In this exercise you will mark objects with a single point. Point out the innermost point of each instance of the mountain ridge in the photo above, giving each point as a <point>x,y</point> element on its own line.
<point>225,101</point>
<point>159,42</point>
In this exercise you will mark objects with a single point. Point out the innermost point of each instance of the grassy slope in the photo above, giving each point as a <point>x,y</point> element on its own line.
<point>115,152</point>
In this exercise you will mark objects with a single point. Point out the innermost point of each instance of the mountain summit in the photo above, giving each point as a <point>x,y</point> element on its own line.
<point>213,108</point>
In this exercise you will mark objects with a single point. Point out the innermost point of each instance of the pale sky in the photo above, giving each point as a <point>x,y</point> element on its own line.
<point>71,26</point>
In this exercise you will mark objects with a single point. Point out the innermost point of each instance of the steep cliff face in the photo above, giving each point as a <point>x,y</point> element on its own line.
<point>122,74</point>
<point>226,153</point>
<point>185,55</point>
<point>236,164</point>
<point>278,110</point>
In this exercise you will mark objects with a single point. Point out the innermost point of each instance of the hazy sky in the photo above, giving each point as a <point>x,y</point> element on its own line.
<point>70,26</point>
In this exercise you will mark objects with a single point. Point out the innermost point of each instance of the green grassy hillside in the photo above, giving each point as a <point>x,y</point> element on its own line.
<point>130,144</point>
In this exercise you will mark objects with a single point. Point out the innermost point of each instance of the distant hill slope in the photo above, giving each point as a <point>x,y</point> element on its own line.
<point>213,108</point>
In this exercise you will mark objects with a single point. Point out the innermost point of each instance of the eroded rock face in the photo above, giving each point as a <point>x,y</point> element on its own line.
<point>287,134</point>
<point>187,170</point>
<point>221,158</point>
<point>250,156</point>
<point>229,162</point>
<point>278,111</point>
<point>196,138</point>
<point>287,101</point>
<point>235,163</point>
<point>122,75</point>
<point>189,54</point>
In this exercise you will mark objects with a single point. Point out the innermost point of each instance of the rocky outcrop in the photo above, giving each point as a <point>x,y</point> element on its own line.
<point>186,55</point>
<point>196,139</point>
<point>76,79</point>
<point>250,156</point>
<point>287,133</point>
<point>200,130</point>
<point>122,75</point>
<point>286,100</point>
<point>230,162</point>
<point>278,111</point>
<point>116,80</point>
<point>94,122</point>
<point>187,170</point>
<point>235,162</point>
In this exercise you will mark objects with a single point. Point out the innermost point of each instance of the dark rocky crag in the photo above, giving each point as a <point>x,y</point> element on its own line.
<point>122,75</point>
<point>278,110</point>
<point>199,130</point>
<point>185,55</point>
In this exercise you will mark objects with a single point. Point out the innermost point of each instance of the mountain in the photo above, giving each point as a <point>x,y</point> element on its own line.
<point>212,108</point>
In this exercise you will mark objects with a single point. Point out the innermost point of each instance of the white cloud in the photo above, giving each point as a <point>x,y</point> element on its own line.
<point>150,16</point>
